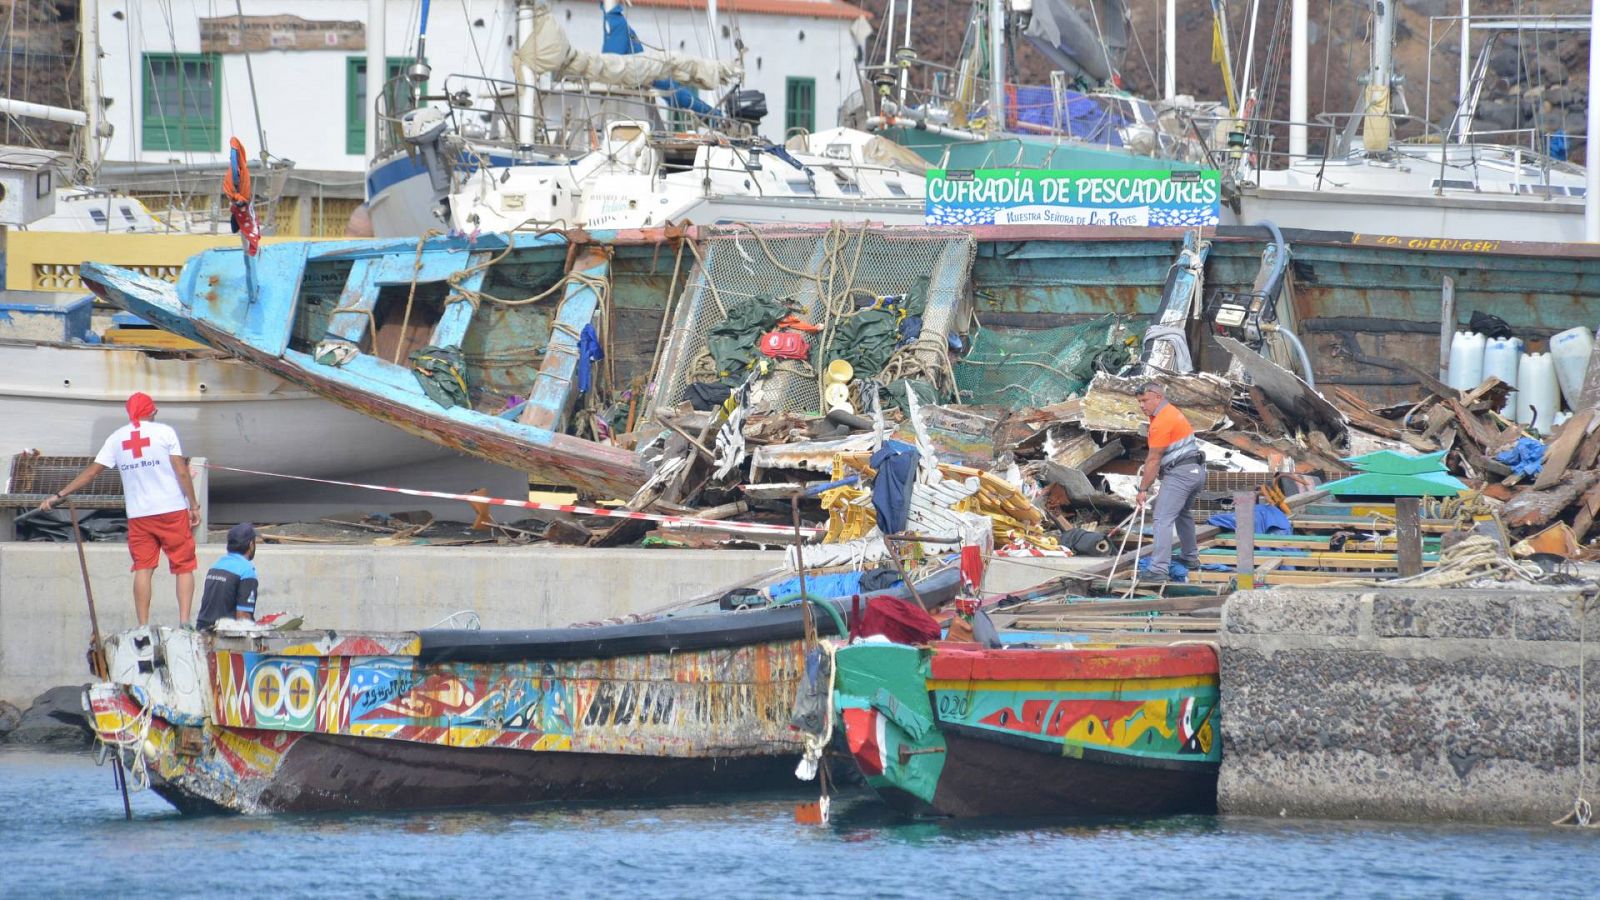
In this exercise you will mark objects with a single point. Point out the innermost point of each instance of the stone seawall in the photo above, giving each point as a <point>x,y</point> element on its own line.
<point>44,622</point>
<point>1407,705</point>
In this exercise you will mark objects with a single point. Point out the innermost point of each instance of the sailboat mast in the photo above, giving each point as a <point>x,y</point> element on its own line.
<point>89,19</point>
<point>1299,74</point>
<point>1375,126</point>
<point>997,66</point>
<point>377,69</point>
<point>1591,198</point>
<point>1170,76</point>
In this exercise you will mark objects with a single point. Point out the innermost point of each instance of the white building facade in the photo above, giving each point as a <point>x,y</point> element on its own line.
<point>175,77</point>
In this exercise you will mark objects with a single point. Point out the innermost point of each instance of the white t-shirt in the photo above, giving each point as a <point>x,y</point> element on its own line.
<point>143,456</point>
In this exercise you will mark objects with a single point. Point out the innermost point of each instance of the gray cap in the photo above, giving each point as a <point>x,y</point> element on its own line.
<point>240,537</point>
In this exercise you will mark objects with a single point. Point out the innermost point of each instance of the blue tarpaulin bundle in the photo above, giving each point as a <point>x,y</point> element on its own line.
<point>1525,457</point>
<point>1269,520</point>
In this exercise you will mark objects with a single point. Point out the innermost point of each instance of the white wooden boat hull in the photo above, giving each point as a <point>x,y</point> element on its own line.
<point>63,399</point>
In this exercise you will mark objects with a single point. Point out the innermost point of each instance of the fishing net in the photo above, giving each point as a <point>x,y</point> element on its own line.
<point>824,276</point>
<point>1016,367</point>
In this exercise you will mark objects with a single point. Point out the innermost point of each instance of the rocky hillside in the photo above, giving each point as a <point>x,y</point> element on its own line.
<point>38,63</point>
<point>1539,82</point>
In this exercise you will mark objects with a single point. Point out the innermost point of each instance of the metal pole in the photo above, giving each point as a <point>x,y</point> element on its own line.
<point>377,68</point>
<point>1591,199</point>
<point>525,98</point>
<point>1171,74</point>
<point>89,18</point>
<point>997,66</point>
<point>1299,67</point>
<point>41,111</point>
<point>1249,50</point>
<point>1466,53</point>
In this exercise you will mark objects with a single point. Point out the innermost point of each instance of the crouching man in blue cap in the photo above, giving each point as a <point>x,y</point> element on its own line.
<point>230,586</point>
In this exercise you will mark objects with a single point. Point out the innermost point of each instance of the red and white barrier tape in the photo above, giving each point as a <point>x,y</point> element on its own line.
<point>533,504</point>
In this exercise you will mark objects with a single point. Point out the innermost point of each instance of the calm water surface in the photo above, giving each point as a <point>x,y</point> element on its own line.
<point>62,834</point>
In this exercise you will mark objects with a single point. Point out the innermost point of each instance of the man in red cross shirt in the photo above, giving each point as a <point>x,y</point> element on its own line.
<point>159,494</point>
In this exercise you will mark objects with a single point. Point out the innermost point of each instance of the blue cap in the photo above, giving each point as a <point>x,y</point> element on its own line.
<point>240,537</point>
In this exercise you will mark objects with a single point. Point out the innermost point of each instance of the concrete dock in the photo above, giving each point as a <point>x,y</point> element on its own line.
<point>1457,705</point>
<point>44,621</point>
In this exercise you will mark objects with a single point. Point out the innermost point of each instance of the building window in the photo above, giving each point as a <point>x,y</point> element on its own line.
<point>800,105</point>
<point>182,107</point>
<point>357,110</point>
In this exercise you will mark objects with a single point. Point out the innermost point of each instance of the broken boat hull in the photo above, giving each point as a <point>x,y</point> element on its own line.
<point>358,295</point>
<point>962,731</point>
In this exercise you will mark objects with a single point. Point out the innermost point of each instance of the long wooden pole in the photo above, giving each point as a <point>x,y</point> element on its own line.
<point>97,656</point>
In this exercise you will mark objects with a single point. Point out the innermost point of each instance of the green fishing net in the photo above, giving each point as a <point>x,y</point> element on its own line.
<point>1021,367</point>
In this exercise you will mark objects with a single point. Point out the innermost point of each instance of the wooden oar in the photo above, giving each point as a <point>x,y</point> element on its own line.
<point>97,656</point>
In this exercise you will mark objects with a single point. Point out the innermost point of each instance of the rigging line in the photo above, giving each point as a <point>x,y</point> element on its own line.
<point>11,39</point>
<point>188,157</point>
<point>250,73</point>
<point>1149,69</point>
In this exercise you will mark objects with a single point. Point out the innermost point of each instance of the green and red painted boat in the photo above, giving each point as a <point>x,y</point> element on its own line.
<point>962,730</point>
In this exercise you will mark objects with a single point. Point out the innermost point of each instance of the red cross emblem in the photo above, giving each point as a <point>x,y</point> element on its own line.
<point>136,444</point>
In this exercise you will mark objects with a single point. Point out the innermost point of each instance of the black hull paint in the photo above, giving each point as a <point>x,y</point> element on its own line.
<point>983,778</point>
<point>323,773</point>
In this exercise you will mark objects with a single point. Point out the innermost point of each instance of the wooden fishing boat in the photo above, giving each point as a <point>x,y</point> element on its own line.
<point>961,730</point>
<point>685,704</point>
<point>508,327</point>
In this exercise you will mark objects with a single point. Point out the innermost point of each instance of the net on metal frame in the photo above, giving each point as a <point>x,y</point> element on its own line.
<point>1014,366</point>
<point>818,274</point>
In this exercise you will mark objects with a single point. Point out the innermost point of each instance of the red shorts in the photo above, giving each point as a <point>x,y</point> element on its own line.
<point>149,535</point>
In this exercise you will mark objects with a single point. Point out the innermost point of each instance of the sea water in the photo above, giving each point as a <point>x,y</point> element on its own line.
<point>62,833</point>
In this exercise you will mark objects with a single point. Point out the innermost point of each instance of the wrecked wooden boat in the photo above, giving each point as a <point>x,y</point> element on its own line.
<point>961,730</point>
<point>476,345</point>
<point>1012,321</point>
<point>255,720</point>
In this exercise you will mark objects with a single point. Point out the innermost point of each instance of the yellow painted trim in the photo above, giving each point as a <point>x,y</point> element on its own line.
<point>1110,687</point>
<point>48,260</point>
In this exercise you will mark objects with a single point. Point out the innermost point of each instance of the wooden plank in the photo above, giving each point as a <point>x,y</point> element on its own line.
<point>1447,324</point>
<point>1558,454</point>
<point>1244,512</point>
<point>1408,526</point>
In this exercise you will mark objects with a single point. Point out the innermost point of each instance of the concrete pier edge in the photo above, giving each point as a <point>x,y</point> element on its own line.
<point>44,620</point>
<point>1457,705</point>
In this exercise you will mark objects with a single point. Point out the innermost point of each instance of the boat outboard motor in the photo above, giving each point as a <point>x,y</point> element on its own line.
<point>426,129</point>
<point>749,107</point>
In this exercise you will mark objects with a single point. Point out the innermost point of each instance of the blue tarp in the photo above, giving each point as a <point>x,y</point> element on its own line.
<point>896,465</point>
<point>1526,457</point>
<point>621,40</point>
<point>1086,117</point>
<point>1269,520</point>
<point>822,587</point>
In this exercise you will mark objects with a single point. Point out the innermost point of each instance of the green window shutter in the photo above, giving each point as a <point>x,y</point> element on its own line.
<point>181,106</point>
<point>800,104</point>
<point>357,109</point>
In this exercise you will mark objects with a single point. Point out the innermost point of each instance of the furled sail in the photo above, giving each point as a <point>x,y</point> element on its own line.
<point>1090,44</point>
<point>547,50</point>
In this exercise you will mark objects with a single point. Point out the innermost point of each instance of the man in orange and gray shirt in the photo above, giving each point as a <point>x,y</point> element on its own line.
<point>1181,466</point>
